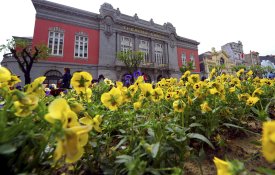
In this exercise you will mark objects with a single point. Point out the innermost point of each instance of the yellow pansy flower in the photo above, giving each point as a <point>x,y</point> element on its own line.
<point>60,110</point>
<point>112,99</point>
<point>213,91</point>
<point>94,122</point>
<point>243,97</point>
<point>257,92</point>
<point>268,141</point>
<point>252,101</point>
<point>194,78</point>
<point>108,82</point>
<point>249,73</point>
<point>76,107</point>
<point>87,95</point>
<point>119,84</point>
<point>169,95</point>
<point>179,106</point>
<point>146,88</point>
<point>241,71</point>
<point>13,81</point>
<point>205,107</point>
<point>81,81</point>
<point>197,86</point>
<point>137,105</point>
<point>133,89</point>
<point>139,81</point>
<point>5,75</point>
<point>185,75</point>
<point>36,87</point>
<point>72,144</point>
<point>25,106</point>
<point>156,94</point>
<point>232,89</point>
<point>223,167</point>
<point>212,73</point>
<point>126,94</point>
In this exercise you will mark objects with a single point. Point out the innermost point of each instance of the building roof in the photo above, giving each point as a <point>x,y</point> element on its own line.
<point>268,57</point>
<point>58,12</point>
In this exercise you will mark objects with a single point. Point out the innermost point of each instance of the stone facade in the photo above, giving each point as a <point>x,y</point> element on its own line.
<point>234,51</point>
<point>209,60</point>
<point>252,58</point>
<point>105,33</point>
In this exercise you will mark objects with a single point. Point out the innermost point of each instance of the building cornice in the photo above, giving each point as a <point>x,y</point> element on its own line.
<point>61,13</point>
<point>112,18</point>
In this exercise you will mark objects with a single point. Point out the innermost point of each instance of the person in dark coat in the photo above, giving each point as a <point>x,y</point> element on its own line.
<point>66,79</point>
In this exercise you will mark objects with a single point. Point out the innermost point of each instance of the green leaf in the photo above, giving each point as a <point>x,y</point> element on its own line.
<point>194,125</point>
<point>155,149</point>
<point>200,137</point>
<point>151,132</point>
<point>232,125</point>
<point>266,171</point>
<point>123,159</point>
<point>7,148</point>
<point>256,111</point>
<point>120,143</point>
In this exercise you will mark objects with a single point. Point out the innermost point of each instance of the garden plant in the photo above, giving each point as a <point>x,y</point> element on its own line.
<point>107,128</point>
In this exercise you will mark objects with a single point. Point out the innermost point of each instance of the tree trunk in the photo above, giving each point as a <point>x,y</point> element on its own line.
<point>27,78</point>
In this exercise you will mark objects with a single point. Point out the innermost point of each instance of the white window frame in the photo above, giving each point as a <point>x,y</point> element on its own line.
<point>81,40</point>
<point>159,54</point>
<point>144,48</point>
<point>126,43</point>
<point>192,58</point>
<point>56,41</point>
<point>183,58</point>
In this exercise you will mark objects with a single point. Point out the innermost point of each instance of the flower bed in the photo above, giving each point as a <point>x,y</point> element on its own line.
<point>111,129</point>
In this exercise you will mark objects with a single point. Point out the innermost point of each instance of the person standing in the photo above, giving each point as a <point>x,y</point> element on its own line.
<point>66,78</point>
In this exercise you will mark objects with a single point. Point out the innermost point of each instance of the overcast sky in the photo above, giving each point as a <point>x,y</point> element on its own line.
<point>213,23</point>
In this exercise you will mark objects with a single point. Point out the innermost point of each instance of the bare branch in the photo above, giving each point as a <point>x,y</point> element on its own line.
<point>13,51</point>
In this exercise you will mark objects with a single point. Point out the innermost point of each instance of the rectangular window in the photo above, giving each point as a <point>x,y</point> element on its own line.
<point>159,54</point>
<point>126,44</point>
<point>144,47</point>
<point>56,42</point>
<point>183,58</point>
<point>192,58</point>
<point>81,46</point>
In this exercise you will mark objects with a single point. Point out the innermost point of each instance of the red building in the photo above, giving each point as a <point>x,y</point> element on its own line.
<point>86,41</point>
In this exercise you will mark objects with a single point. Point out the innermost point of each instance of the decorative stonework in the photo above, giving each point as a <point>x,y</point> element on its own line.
<point>172,40</point>
<point>56,29</point>
<point>136,17</point>
<point>108,25</point>
<point>81,33</point>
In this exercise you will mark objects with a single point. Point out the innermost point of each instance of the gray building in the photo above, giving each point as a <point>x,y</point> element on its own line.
<point>234,51</point>
<point>86,41</point>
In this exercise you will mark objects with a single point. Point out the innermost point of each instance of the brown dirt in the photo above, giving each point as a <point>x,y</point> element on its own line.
<point>242,148</point>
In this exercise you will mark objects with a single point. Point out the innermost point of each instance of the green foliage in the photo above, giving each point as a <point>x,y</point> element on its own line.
<point>25,54</point>
<point>131,59</point>
<point>239,67</point>
<point>189,66</point>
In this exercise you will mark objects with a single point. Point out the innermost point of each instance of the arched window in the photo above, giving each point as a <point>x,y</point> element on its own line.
<point>53,77</point>
<point>222,61</point>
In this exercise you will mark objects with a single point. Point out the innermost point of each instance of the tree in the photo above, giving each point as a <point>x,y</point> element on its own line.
<point>188,66</point>
<point>131,59</point>
<point>25,55</point>
<point>238,67</point>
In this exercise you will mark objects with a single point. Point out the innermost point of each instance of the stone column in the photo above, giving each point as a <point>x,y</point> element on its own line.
<point>152,51</point>
<point>118,42</point>
<point>165,52</point>
<point>135,43</point>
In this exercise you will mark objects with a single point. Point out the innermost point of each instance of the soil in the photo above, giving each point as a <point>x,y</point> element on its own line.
<point>242,147</point>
